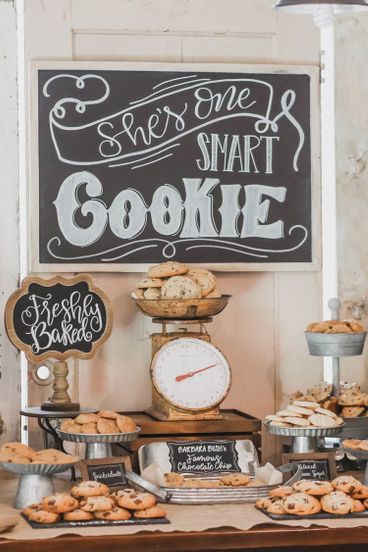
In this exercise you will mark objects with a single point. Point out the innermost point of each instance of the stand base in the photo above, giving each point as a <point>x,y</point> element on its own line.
<point>98,450</point>
<point>60,407</point>
<point>304,444</point>
<point>32,489</point>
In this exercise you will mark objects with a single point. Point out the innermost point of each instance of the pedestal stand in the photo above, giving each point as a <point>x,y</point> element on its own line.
<point>60,399</point>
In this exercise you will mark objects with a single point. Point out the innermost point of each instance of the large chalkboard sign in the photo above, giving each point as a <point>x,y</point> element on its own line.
<point>140,165</point>
<point>58,318</point>
<point>203,456</point>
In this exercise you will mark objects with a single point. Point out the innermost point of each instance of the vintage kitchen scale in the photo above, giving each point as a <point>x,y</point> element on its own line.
<point>190,376</point>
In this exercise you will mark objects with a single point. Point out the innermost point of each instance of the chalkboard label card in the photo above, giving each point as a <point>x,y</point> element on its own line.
<point>136,164</point>
<point>57,319</point>
<point>315,466</point>
<point>203,456</point>
<point>109,471</point>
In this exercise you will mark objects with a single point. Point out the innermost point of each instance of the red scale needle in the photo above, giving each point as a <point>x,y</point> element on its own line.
<point>191,374</point>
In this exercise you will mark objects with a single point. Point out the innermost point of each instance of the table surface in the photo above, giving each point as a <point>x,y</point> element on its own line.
<point>262,538</point>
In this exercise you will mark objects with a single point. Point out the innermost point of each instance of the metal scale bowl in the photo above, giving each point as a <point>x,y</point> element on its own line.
<point>183,309</point>
<point>98,445</point>
<point>35,481</point>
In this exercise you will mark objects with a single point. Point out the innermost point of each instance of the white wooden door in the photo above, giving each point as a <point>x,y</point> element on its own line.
<point>261,332</point>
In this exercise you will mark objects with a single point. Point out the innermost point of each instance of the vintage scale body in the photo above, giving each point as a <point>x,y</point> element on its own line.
<point>190,376</point>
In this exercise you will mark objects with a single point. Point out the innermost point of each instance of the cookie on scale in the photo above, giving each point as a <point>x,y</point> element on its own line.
<point>146,283</point>
<point>168,269</point>
<point>152,294</point>
<point>180,287</point>
<point>215,294</point>
<point>204,279</point>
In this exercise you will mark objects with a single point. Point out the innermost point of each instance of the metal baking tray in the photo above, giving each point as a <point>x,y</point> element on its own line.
<point>247,460</point>
<point>321,515</point>
<point>96,523</point>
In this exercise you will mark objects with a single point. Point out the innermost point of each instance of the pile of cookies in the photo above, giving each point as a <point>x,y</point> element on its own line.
<point>91,500</point>
<point>343,495</point>
<point>230,480</point>
<point>351,402</point>
<point>174,280</point>
<point>301,414</point>
<point>356,444</point>
<point>105,422</point>
<point>336,327</point>
<point>18,453</point>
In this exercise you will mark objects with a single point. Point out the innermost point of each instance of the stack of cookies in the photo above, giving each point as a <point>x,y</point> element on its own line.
<point>174,280</point>
<point>105,422</point>
<point>91,500</point>
<point>18,453</point>
<point>304,414</point>
<point>351,403</point>
<point>336,327</point>
<point>231,480</point>
<point>344,495</point>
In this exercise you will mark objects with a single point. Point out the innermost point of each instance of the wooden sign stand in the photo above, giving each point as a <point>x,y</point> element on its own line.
<point>60,399</point>
<point>66,310</point>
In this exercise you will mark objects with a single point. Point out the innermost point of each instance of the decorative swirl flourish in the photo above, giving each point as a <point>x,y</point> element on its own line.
<point>169,249</point>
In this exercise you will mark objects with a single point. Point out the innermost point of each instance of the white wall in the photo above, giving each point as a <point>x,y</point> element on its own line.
<point>9,249</point>
<point>352,175</point>
<point>261,332</point>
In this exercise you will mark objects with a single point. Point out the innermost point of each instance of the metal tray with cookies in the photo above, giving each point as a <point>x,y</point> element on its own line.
<point>208,472</point>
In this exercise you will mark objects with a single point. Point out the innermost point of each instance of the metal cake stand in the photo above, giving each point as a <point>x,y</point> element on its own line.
<point>98,445</point>
<point>360,455</point>
<point>304,439</point>
<point>35,481</point>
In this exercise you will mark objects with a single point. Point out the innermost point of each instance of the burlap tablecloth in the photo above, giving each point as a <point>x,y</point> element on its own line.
<point>182,518</point>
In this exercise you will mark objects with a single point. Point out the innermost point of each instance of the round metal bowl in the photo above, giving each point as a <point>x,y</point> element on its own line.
<point>98,437</point>
<point>335,345</point>
<point>183,309</point>
<point>38,469</point>
<point>304,431</point>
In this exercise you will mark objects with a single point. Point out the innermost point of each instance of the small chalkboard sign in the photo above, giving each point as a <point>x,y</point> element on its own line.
<point>203,456</point>
<point>58,318</point>
<point>315,466</point>
<point>109,471</point>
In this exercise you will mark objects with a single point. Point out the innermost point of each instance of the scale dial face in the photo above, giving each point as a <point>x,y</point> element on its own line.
<point>191,374</point>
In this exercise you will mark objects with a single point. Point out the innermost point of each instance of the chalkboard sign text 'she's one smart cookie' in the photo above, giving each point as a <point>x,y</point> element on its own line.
<point>143,164</point>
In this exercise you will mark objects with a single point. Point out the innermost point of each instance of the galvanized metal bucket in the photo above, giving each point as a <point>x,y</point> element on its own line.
<point>335,345</point>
